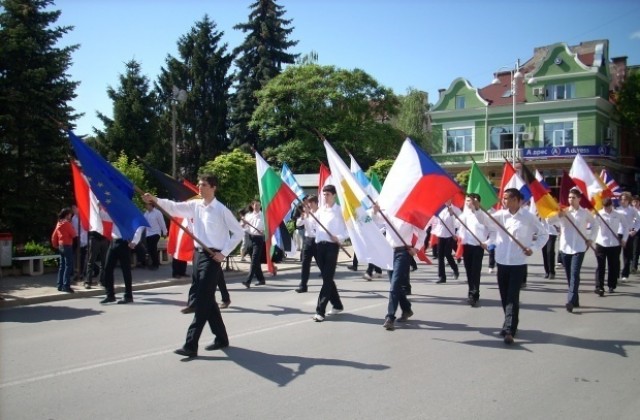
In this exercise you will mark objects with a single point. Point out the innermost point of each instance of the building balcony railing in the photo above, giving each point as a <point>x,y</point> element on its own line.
<point>502,154</point>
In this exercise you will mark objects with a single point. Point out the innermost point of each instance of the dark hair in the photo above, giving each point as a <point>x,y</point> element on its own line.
<point>313,198</point>
<point>514,192</point>
<point>576,191</point>
<point>64,213</point>
<point>474,195</point>
<point>607,202</point>
<point>330,189</point>
<point>209,178</point>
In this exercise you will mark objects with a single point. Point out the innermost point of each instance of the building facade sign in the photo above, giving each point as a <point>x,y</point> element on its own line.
<point>568,152</point>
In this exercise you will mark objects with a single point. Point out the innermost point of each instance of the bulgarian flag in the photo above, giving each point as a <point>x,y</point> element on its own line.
<point>276,198</point>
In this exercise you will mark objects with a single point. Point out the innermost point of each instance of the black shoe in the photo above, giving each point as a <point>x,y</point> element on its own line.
<point>599,291</point>
<point>456,275</point>
<point>352,268</point>
<point>441,281</point>
<point>301,290</point>
<point>186,352</point>
<point>188,310</point>
<point>546,276</point>
<point>405,316</point>
<point>503,333</point>
<point>68,290</point>
<point>569,307</point>
<point>414,268</point>
<point>611,290</point>
<point>247,284</point>
<point>508,339</point>
<point>125,300</point>
<point>59,288</point>
<point>552,276</point>
<point>216,346</point>
<point>108,299</point>
<point>472,301</point>
<point>260,283</point>
<point>87,285</point>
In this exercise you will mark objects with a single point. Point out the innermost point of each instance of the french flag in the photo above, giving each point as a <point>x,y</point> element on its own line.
<point>92,217</point>
<point>416,186</point>
<point>511,179</point>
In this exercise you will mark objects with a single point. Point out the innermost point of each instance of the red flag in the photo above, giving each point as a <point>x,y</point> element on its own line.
<point>421,254</point>
<point>92,217</point>
<point>566,184</point>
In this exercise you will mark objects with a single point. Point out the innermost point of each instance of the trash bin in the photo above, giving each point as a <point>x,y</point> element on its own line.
<point>6,249</point>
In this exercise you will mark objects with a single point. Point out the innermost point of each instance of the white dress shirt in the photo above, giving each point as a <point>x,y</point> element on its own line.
<point>630,215</point>
<point>310,225</point>
<point>476,222</point>
<point>526,228</point>
<point>571,242</point>
<point>617,223</point>
<point>157,225</point>
<point>331,218</point>
<point>213,224</point>
<point>255,223</point>
<point>445,225</point>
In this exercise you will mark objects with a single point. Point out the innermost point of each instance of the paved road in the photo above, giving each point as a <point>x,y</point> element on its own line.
<point>77,359</point>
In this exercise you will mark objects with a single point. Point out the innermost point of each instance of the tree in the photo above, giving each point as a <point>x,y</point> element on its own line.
<point>259,59</point>
<point>202,69</point>
<point>628,108</point>
<point>134,127</point>
<point>381,168</point>
<point>135,172</point>
<point>413,116</point>
<point>349,108</point>
<point>34,96</point>
<point>237,178</point>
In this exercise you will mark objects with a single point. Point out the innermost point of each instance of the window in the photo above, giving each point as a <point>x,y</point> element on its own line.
<point>558,134</point>
<point>459,140</point>
<point>559,92</point>
<point>460,102</point>
<point>502,136</point>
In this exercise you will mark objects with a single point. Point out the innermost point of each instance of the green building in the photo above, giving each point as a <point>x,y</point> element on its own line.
<point>558,103</point>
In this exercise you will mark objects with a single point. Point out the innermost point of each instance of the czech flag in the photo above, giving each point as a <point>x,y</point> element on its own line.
<point>416,186</point>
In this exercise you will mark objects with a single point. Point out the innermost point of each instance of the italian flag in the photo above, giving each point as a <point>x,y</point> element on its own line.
<point>276,198</point>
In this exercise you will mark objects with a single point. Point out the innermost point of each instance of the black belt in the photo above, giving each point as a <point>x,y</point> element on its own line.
<point>326,243</point>
<point>206,250</point>
<point>119,241</point>
<point>400,248</point>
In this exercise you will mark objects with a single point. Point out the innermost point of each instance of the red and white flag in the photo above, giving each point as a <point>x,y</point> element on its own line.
<point>92,217</point>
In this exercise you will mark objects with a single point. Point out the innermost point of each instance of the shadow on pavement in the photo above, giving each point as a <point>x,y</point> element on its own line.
<point>33,314</point>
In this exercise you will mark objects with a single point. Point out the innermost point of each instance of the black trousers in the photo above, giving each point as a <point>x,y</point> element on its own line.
<point>118,252</point>
<point>627,256</point>
<point>178,267</point>
<point>152,250</point>
<point>472,256</point>
<point>445,247</point>
<point>327,257</point>
<point>607,255</point>
<point>206,271</point>
<point>98,247</point>
<point>308,252</point>
<point>220,284</point>
<point>257,244</point>
<point>549,255</point>
<point>510,278</point>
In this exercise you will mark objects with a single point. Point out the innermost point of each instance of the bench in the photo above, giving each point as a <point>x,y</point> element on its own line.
<point>34,265</point>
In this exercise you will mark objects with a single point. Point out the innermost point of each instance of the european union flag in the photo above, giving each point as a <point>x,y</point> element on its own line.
<point>111,187</point>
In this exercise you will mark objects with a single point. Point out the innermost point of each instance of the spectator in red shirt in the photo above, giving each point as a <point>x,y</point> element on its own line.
<point>62,240</point>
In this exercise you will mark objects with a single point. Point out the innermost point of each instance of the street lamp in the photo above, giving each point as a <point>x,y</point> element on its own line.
<point>515,75</point>
<point>177,96</point>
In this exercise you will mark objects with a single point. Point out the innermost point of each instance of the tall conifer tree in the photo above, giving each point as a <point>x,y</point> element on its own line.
<point>259,59</point>
<point>34,94</point>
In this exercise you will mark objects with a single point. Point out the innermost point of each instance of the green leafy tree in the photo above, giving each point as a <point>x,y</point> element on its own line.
<point>628,108</point>
<point>462,178</point>
<point>202,70</point>
<point>134,127</point>
<point>381,168</point>
<point>348,107</point>
<point>413,118</point>
<point>135,172</point>
<point>237,178</point>
<point>34,94</point>
<point>259,59</point>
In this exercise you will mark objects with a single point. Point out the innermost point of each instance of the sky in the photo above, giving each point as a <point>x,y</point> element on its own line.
<point>402,44</point>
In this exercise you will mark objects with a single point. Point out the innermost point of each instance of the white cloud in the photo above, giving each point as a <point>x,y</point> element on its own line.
<point>635,35</point>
